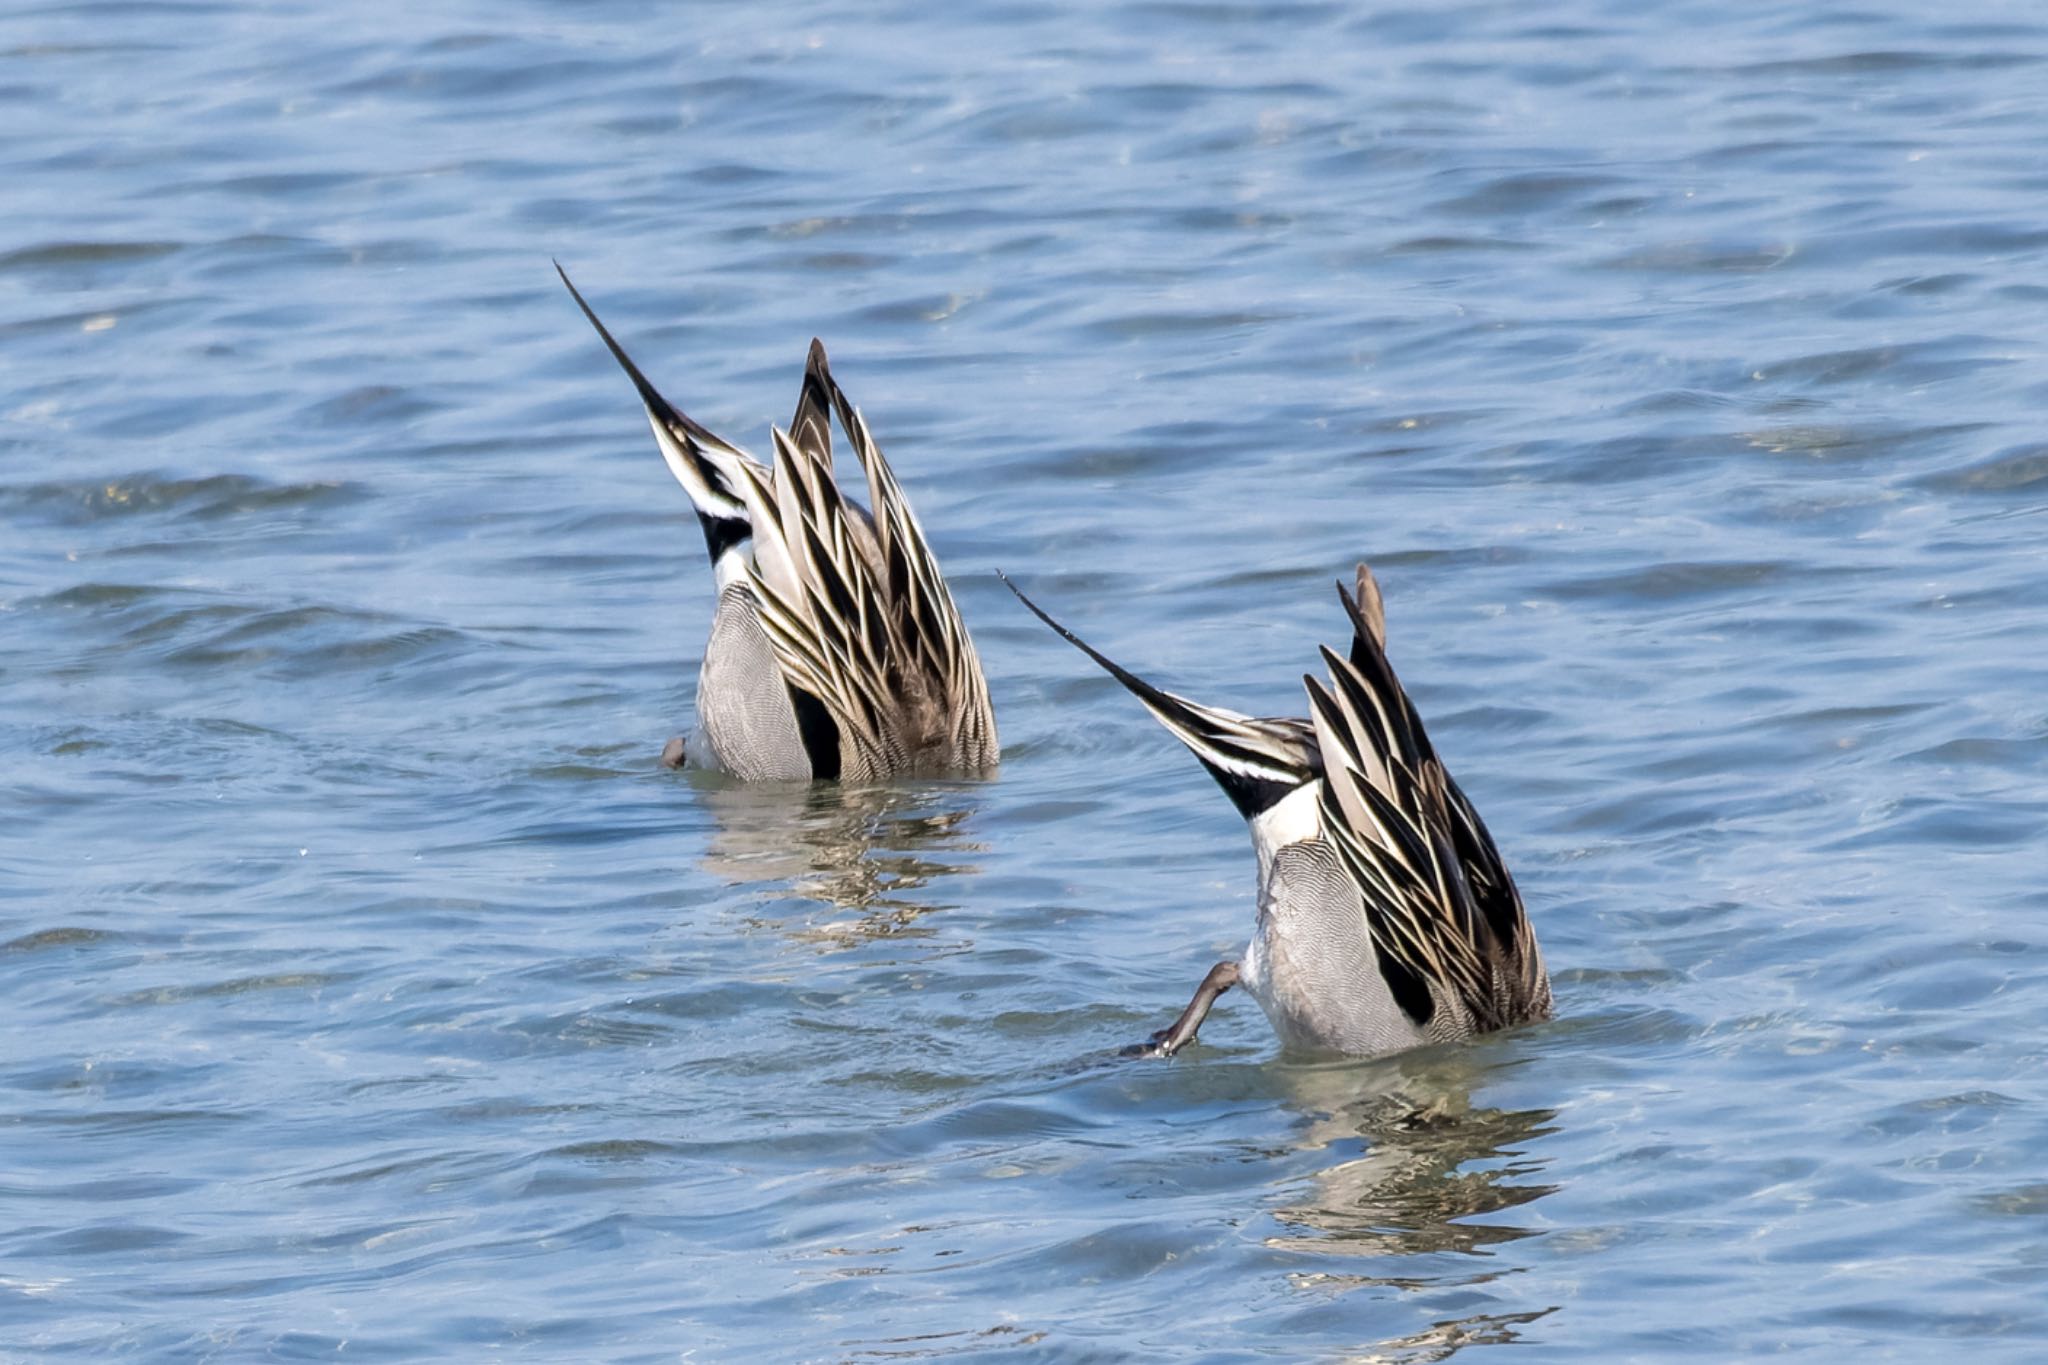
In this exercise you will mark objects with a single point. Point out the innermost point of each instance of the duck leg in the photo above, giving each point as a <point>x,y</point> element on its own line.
<point>1182,1031</point>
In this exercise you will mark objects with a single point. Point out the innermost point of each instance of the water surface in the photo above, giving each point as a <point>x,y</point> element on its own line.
<point>369,991</point>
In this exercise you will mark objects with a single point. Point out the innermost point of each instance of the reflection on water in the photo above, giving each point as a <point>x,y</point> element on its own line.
<point>380,998</point>
<point>1418,1164</point>
<point>855,849</point>
<point>1426,1161</point>
<point>1442,1340</point>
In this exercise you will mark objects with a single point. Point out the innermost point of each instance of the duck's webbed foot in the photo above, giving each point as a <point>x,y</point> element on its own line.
<point>1182,1031</point>
<point>672,753</point>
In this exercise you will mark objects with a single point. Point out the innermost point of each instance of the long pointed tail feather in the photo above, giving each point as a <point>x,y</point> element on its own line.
<point>1256,761</point>
<point>700,459</point>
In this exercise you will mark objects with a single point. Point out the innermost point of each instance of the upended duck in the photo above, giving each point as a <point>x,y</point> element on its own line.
<point>835,650</point>
<point>1386,918</point>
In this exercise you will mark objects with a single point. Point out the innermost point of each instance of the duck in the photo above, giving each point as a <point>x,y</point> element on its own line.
<point>1386,917</point>
<point>836,651</point>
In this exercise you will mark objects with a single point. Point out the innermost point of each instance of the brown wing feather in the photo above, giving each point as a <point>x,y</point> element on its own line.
<point>935,648</point>
<point>1438,898</point>
<point>856,609</point>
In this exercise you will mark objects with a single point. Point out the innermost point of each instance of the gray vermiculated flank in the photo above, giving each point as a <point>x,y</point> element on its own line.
<point>1318,980</point>
<point>743,705</point>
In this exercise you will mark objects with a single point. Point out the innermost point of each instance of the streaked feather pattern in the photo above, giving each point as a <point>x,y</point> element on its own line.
<point>874,660</point>
<point>1430,904</point>
<point>1450,912</point>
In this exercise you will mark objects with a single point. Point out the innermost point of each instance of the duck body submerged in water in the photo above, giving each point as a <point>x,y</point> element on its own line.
<point>836,650</point>
<point>1386,918</point>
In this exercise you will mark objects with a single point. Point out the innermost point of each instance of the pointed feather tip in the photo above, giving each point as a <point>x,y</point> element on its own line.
<point>611,343</point>
<point>1314,686</point>
<point>1144,690</point>
<point>1040,613</point>
<point>1335,665</point>
<point>819,385</point>
<point>1037,610</point>
<point>659,406</point>
<point>1367,609</point>
<point>574,292</point>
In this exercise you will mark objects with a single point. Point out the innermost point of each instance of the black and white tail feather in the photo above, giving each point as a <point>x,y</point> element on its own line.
<point>704,464</point>
<point>1256,760</point>
<point>881,672</point>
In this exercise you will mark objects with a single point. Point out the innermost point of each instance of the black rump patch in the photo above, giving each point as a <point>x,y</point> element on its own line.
<point>1410,991</point>
<point>820,733</point>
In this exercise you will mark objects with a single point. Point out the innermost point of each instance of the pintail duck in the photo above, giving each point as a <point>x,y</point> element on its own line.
<point>835,650</point>
<point>1386,918</point>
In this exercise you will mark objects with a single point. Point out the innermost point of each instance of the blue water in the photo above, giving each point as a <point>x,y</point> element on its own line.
<point>368,990</point>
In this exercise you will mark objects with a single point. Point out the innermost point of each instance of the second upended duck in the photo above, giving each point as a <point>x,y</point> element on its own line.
<point>1386,918</point>
<point>835,650</point>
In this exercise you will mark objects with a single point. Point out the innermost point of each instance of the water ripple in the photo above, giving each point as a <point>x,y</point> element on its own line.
<point>374,987</point>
